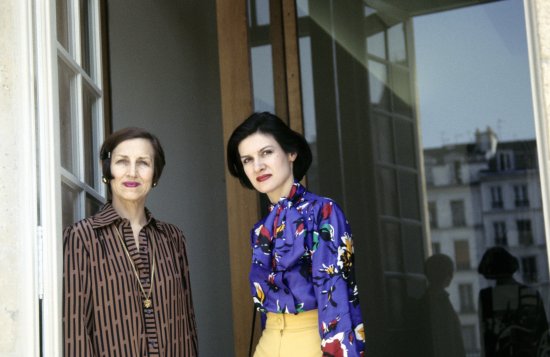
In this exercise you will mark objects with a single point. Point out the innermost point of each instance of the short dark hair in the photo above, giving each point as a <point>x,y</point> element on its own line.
<point>127,134</point>
<point>266,123</point>
<point>497,262</point>
<point>438,267</point>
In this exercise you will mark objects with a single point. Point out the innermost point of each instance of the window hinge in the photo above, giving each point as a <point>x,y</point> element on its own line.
<point>40,267</point>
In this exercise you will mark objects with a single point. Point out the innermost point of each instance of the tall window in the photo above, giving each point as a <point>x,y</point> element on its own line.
<point>81,116</point>
<point>499,229</point>
<point>457,171</point>
<point>525,234</point>
<point>496,197</point>
<point>432,211</point>
<point>504,161</point>
<point>462,254</point>
<point>529,269</point>
<point>457,211</point>
<point>466,293</point>
<point>520,195</point>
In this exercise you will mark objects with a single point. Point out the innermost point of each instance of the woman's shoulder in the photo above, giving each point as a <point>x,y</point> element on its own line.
<point>84,225</point>
<point>169,229</point>
<point>79,235</point>
<point>320,203</point>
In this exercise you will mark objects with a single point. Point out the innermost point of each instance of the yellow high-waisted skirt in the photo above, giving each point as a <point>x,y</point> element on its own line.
<point>288,335</point>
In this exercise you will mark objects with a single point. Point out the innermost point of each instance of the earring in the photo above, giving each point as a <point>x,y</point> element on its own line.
<point>104,179</point>
<point>155,184</point>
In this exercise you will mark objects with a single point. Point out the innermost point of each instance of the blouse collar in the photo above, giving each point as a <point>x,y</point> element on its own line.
<point>108,215</point>
<point>295,196</point>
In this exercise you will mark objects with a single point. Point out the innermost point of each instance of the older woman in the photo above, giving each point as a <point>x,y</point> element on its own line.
<point>302,276</point>
<point>126,281</point>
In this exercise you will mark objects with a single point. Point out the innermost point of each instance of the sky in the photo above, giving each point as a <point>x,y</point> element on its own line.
<point>473,72</point>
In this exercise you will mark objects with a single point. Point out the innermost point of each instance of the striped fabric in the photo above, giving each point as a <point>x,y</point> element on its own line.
<point>103,313</point>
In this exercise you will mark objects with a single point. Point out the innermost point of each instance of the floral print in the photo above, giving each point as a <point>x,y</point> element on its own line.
<point>302,259</point>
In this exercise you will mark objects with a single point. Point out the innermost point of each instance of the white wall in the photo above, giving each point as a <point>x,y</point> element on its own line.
<point>164,75</point>
<point>18,197</point>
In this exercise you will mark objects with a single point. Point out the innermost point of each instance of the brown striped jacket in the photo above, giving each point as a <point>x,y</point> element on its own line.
<point>103,313</point>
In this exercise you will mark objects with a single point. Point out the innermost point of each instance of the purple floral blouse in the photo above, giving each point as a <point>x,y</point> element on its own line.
<point>302,259</point>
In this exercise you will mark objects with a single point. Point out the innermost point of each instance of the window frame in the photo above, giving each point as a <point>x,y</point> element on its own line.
<point>51,175</point>
<point>500,235</point>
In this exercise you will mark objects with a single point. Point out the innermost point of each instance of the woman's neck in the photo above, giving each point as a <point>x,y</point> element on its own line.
<point>282,192</point>
<point>132,211</point>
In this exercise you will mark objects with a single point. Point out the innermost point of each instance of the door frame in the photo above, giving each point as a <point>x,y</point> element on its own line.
<point>243,205</point>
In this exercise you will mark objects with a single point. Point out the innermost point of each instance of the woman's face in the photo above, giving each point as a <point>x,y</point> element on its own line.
<point>132,168</point>
<point>267,165</point>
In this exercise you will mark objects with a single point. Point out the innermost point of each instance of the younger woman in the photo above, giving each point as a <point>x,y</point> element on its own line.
<point>302,278</point>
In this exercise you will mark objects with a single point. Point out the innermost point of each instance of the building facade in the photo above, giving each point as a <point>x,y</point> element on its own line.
<point>480,195</point>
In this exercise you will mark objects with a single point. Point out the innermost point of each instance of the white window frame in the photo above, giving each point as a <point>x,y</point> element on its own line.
<point>542,126</point>
<point>51,174</point>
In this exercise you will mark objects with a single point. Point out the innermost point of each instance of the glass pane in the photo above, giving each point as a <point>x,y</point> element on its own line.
<point>405,140</point>
<point>302,7</point>
<point>408,191</point>
<point>90,149</point>
<point>66,113</point>
<point>413,244</point>
<point>262,12</point>
<point>402,99</point>
<point>92,205</point>
<point>396,292</point>
<point>69,205</point>
<point>86,35</point>
<point>396,44</point>
<point>262,78</point>
<point>480,152</point>
<point>376,45</point>
<point>393,247</point>
<point>378,80</point>
<point>63,23</point>
<point>308,101</point>
<point>388,183</point>
<point>384,138</point>
<point>447,87</point>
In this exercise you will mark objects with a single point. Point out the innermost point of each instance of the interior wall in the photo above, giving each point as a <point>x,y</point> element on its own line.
<point>165,78</point>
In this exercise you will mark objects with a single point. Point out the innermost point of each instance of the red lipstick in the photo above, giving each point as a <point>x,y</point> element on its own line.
<point>262,178</point>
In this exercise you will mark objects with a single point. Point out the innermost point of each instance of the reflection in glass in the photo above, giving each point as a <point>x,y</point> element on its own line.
<point>376,45</point>
<point>396,290</point>
<point>413,245</point>
<point>405,140</point>
<point>408,191</point>
<point>69,202</point>
<point>392,243</point>
<point>376,119</point>
<point>262,78</point>
<point>92,205</point>
<point>63,23</point>
<point>512,315</point>
<point>262,12</point>
<point>400,85</point>
<point>384,138</point>
<point>302,8</point>
<point>66,113</point>
<point>378,79</point>
<point>439,332</point>
<point>388,182</point>
<point>88,116</point>
<point>396,44</point>
<point>85,35</point>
